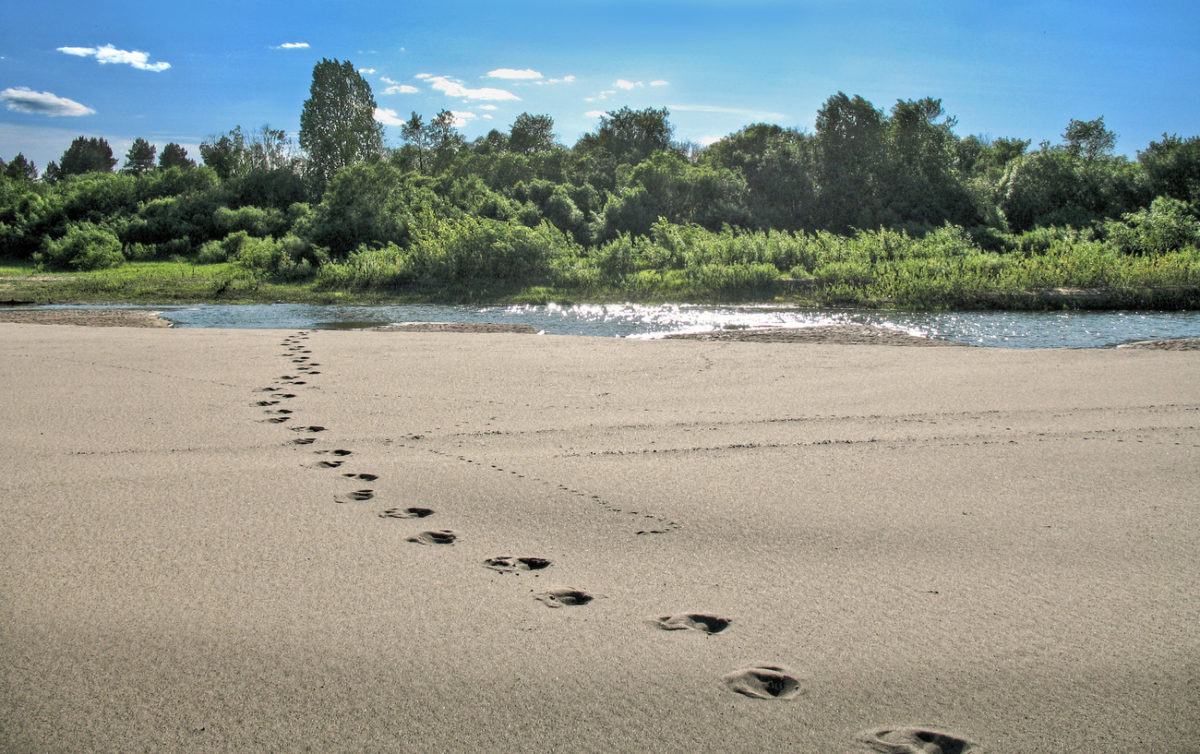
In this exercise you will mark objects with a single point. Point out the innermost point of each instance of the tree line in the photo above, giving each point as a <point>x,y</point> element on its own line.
<point>338,207</point>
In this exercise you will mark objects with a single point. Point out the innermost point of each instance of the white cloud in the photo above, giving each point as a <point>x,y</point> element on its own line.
<point>488,107</point>
<point>291,46</point>
<point>601,96</point>
<point>461,118</point>
<point>423,76</point>
<point>366,70</point>
<point>660,82</point>
<point>109,54</point>
<point>563,80</point>
<point>25,100</point>
<point>512,73</point>
<point>401,89</point>
<point>595,113</point>
<point>388,117</point>
<point>452,88</point>
<point>623,84</point>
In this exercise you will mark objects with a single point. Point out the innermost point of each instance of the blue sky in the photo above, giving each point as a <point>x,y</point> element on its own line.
<point>185,72</point>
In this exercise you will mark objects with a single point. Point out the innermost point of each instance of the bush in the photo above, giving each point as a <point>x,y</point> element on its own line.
<point>85,246</point>
<point>1166,225</point>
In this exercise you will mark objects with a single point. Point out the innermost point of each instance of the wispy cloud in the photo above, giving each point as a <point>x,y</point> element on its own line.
<point>595,113</point>
<point>291,46</point>
<point>401,89</point>
<point>525,74</point>
<point>366,70</point>
<point>601,96</point>
<point>660,82</point>
<point>453,88</point>
<point>388,116</point>
<point>563,80</point>
<point>25,100</point>
<point>623,84</point>
<point>745,112</point>
<point>109,54</point>
<point>488,107</point>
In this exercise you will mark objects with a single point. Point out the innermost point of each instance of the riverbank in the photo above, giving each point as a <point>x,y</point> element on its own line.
<point>382,541</point>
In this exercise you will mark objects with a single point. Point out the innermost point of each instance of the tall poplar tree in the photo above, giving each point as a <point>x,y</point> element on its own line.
<point>338,126</point>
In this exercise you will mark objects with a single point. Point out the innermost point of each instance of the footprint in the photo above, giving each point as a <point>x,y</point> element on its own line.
<point>352,475</point>
<point>304,441</point>
<point>763,682</point>
<point>280,411</point>
<point>709,624</point>
<point>357,496</point>
<point>337,452</point>
<point>915,741</point>
<point>287,395</point>
<point>561,597</point>
<point>406,513</point>
<point>509,564</point>
<point>266,403</point>
<point>443,537</point>
<point>310,428</point>
<point>278,419</point>
<point>330,464</point>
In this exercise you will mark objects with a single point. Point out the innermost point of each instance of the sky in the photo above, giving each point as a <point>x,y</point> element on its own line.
<point>186,72</point>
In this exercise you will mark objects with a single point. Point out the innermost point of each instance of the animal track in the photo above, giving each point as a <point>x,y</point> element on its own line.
<point>406,513</point>
<point>278,419</point>
<point>508,564</point>
<point>266,403</point>
<point>357,496</point>
<point>352,475</point>
<point>331,465</point>
<point>709,624</point>
<point>304,441</point>
<point>763,682</point>
<point>561,597</point>
<point>443,537</point>
<point>915,741</point>
<point>310,428</point>
<point>337,452</point>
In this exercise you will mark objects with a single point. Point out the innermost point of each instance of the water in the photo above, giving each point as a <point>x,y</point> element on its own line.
<point>995,329</point>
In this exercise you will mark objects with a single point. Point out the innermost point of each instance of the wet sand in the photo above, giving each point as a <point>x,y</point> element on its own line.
<point>407,541</point>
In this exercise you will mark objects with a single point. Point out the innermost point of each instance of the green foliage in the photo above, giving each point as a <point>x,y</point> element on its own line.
<point>85,155</point>
<point>370,204</point>
<point>140,158</point>
<point>85,246</point>
<point>338,126</point>
<point>1166,225</point>
<point>175,156</point>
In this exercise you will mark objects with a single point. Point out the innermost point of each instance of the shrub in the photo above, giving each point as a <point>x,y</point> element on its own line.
<point>85,246</point>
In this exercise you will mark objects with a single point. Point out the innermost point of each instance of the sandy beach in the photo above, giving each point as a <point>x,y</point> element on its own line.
<point>220,540</point>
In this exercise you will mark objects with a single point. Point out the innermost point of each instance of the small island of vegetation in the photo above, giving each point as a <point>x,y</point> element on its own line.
<point>875,208</point>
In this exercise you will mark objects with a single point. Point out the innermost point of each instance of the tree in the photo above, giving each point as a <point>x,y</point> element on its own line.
<point>175,156</point>
<point>1089,139</point>
<point>531,133</point>
<point>338,126</point>
<point>140,158</point>
<point>86,155</point>
<point>20,168</point>
<point>633,135</point>
<point>851,141</point>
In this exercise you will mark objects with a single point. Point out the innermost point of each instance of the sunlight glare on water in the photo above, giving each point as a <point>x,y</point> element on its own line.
<point>994,329</point>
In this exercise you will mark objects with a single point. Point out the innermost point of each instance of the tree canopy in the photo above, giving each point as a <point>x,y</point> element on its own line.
<point>338,126</point>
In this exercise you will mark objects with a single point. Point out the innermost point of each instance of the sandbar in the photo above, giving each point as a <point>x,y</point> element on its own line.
<point>255,540</point>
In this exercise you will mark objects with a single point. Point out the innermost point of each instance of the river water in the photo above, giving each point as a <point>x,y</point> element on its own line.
<point>995,329</point>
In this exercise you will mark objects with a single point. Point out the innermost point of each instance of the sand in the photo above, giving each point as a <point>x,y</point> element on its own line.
<point>541,543</point>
